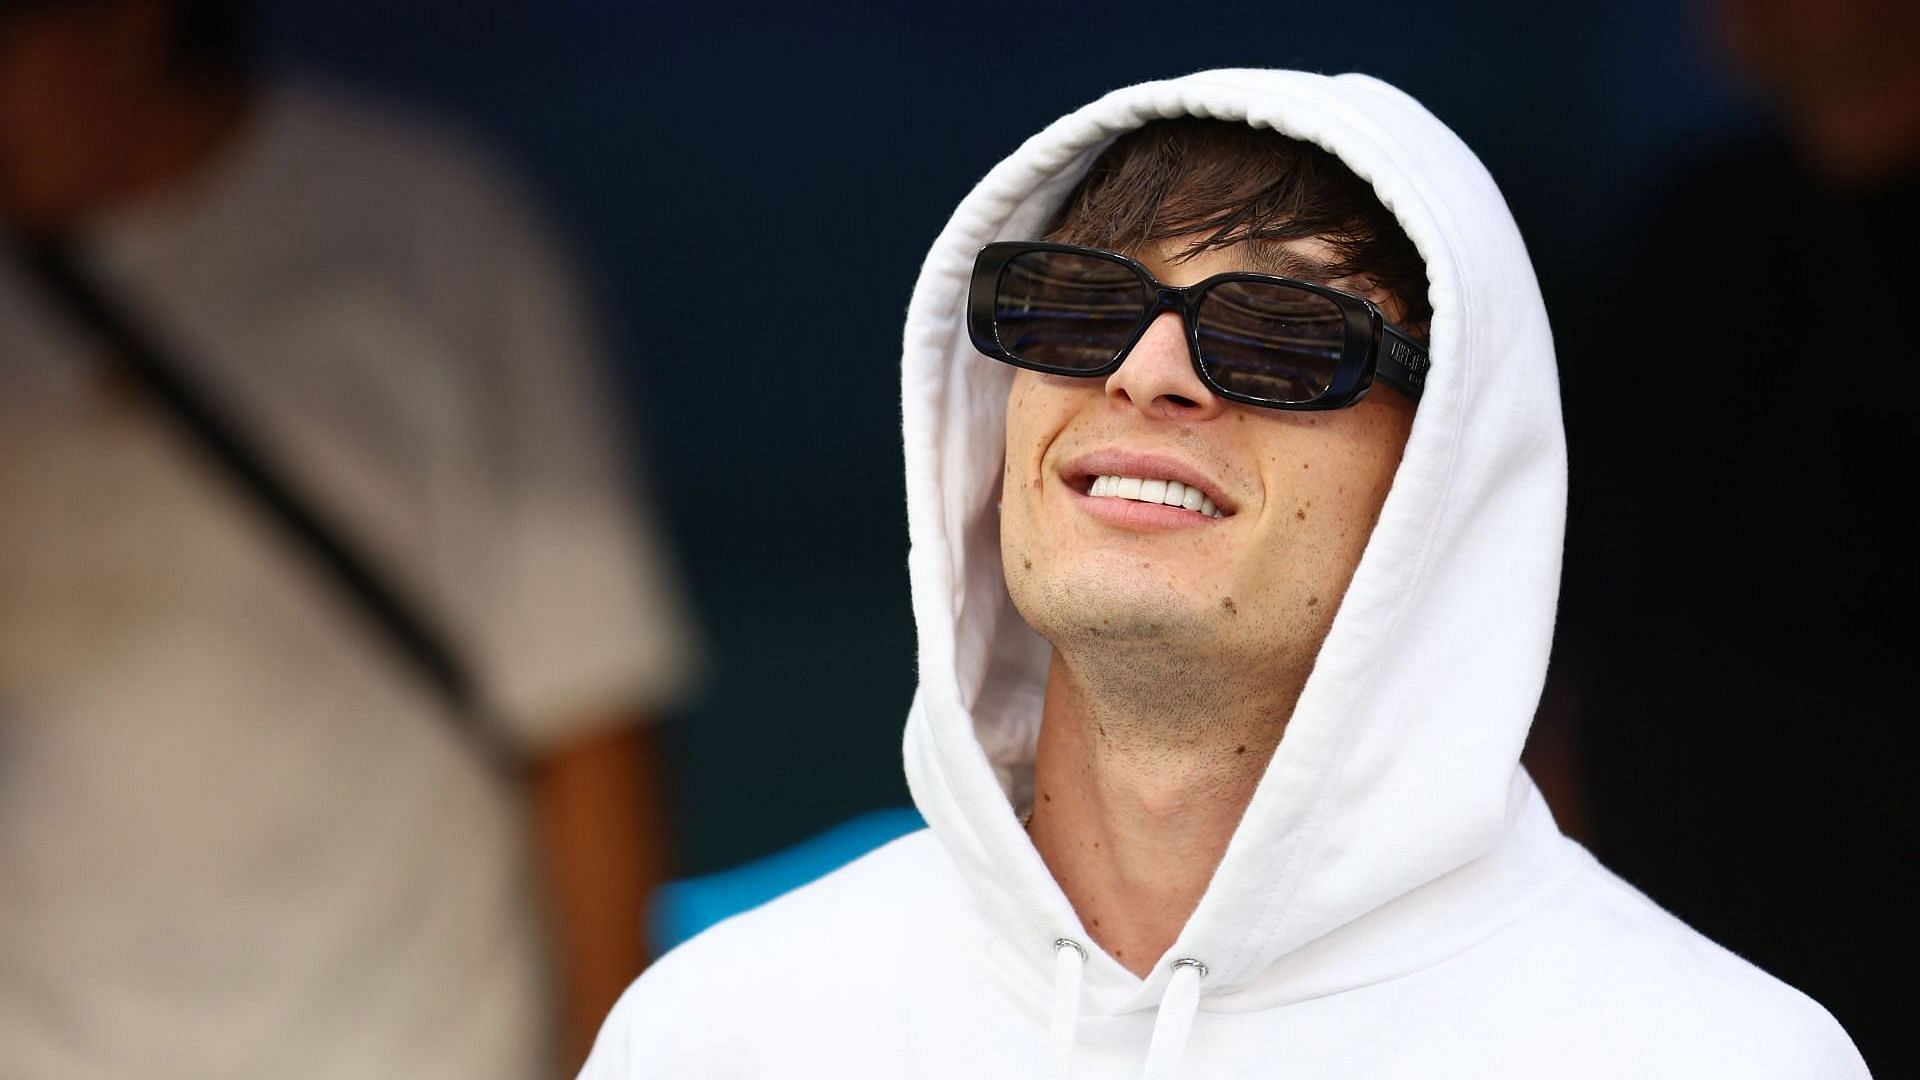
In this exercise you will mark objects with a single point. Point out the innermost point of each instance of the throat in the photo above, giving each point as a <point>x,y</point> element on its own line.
<point>1134,827</point>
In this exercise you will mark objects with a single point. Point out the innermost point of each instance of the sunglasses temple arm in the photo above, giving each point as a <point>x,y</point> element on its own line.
<point>1402,362</point>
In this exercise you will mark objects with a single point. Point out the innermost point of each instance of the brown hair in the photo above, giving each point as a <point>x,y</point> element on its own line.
<point>1225,182</point>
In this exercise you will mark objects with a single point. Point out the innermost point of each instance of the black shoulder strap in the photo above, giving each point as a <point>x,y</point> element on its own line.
<point>148,364</point>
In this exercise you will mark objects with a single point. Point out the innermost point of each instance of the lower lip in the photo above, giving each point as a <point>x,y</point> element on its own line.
<point>1152,517</point>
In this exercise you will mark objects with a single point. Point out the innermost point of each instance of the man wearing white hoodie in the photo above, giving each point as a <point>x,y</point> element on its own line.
<point>1234,589</point>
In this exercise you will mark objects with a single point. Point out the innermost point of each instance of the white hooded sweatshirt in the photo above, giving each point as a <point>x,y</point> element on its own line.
<point>1397,901</point>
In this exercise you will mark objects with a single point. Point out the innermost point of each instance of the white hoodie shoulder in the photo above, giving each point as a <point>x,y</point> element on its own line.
<point>884,969</point>
<point>824,981</point>
<point>1397,901</point>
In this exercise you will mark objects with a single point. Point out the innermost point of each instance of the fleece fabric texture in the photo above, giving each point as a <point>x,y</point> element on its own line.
<point>1397,900</point>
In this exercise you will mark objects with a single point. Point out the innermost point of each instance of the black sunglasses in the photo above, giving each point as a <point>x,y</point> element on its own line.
<point>1254,338</point>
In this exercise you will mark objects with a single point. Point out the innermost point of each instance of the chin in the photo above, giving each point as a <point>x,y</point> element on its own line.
<point>1096,607</point>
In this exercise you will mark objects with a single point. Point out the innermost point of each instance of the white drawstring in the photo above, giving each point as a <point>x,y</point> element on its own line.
<point>1175,1022</point>
<point>1069,962</point>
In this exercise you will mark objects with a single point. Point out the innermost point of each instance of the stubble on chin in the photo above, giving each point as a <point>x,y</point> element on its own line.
<point>1157,673</point>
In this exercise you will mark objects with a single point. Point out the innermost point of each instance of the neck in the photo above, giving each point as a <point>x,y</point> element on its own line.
<point>167,144</point>
<point>1137,792</point>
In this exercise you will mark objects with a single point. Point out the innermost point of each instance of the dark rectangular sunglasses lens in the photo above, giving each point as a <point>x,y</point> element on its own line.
<point>1271,341</point>
<point>1067,311</point>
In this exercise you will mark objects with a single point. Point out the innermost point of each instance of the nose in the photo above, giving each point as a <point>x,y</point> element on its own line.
<point>1157,376</point>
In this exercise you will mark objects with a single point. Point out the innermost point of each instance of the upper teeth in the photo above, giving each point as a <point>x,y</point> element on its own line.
<point>1165,492</point>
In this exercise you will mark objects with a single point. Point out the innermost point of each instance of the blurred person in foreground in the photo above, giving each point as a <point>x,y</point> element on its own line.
<point>1234,605</point>
<point>235,838</point>
<point>1742,579</point>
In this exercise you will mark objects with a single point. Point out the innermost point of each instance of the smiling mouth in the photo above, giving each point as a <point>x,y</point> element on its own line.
<point>1162,492</point>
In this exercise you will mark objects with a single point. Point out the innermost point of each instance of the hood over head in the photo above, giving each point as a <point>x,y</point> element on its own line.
<point>1380,838</point>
